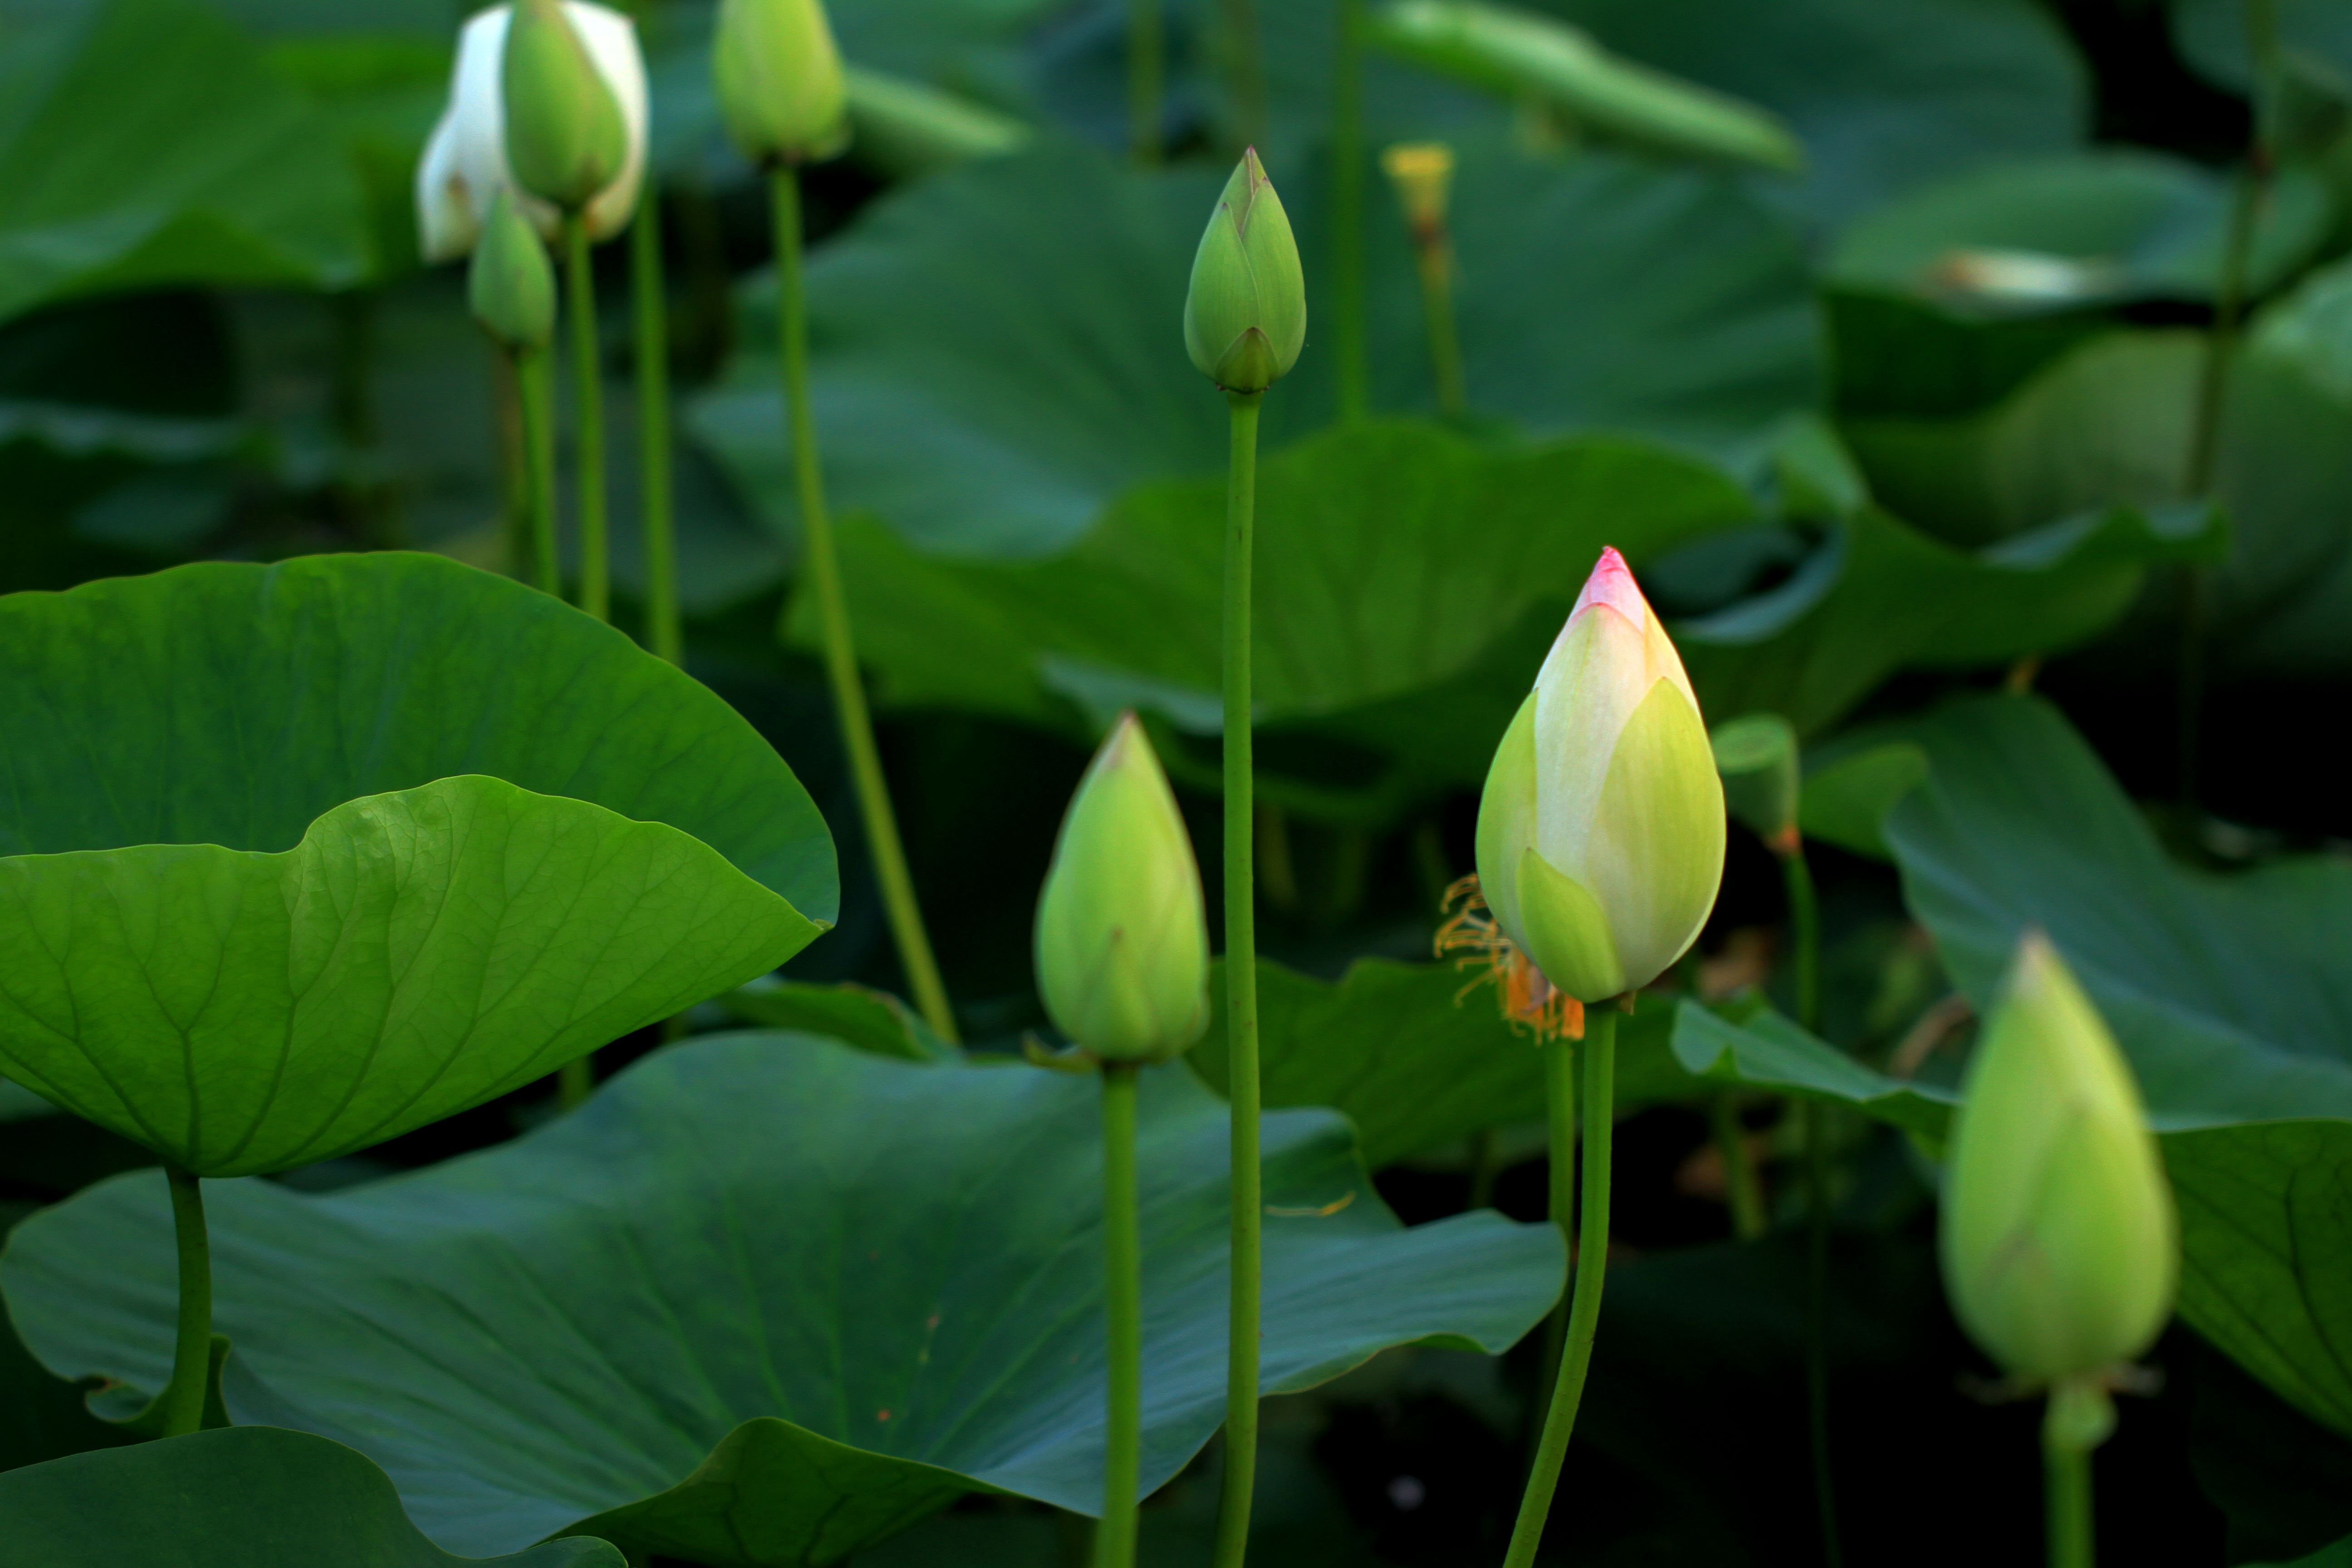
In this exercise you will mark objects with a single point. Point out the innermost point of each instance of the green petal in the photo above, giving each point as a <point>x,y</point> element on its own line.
<point>1566,933</point>
<point>1506,818</point>
<point>1654,859</point>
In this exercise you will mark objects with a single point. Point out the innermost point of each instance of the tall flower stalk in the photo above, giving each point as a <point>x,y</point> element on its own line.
<point>657,499</point>
<point>1422,174</point>
<point>1348,211</point>
<point>782,92</point>
<point>1600,836</point>
<point>1244,322</point>
<point>510,288</point>
<point>1122,956</point>
<point>1147,72</point>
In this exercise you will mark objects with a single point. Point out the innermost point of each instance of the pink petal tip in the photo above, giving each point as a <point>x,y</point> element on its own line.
<point>1611,584</point>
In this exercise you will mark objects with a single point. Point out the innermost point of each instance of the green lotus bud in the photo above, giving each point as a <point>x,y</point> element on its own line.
<point>2060,1246</point>
<point>1601,832</point>
<point>780,81</point>
<point>1757,756</point>
<point>1246,316</point>
<point>566,139</point>
<point>1122,940</point>
<point>511,283</point>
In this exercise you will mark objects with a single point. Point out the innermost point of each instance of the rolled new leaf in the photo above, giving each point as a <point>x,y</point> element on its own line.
<point>1521,54</point>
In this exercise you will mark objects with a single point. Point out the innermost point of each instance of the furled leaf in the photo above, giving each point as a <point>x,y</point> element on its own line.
<point>416,953</point>
<point>766,1299</point>
<point>145,142</point>
<point>1418,1054</point>
<point>855,1015</point>
<point>1884,94</point>
<point>1876,596</point>
<point>248,1497</point>
<point>997,356</point>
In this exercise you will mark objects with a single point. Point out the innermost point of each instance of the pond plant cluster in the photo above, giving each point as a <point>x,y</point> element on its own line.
<point>1092,781</point>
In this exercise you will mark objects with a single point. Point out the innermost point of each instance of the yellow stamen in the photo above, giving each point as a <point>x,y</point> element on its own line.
<point>1529,1000</point>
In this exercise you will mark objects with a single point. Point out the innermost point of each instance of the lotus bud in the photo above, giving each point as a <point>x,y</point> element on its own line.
<point>1422,174</point>
<point>779,76</point>
<point>2060,1251</point>
<point>566,138</point>
<point>1601,833</point>
<point>465,164</point>
<point>511,284</point>
<point>1246,316</point>
<point>1757,756</point>
<point>1122,938</point>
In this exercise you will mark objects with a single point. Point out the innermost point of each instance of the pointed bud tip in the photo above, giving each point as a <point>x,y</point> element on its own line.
<point>1611,584</point>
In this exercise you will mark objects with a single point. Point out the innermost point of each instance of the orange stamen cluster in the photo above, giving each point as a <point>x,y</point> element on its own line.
<point>1527,998</point>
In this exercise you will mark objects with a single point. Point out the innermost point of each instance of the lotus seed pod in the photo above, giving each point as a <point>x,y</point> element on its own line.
<point>1757,756</point>
<point>779,76</point>
<point>1422,174</point>
<point>2061,1249</point>
<point>1601,833</point>
<point>1122,935</point>
<point>465,163</point>
<point>566,137</point>
<point>1245,315</point>
<point>511,284</point>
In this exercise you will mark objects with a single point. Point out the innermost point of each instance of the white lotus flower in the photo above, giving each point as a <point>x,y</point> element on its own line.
<point>1601,832</point>
<point>465,163</point>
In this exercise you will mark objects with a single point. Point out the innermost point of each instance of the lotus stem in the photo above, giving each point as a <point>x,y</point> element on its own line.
<point>588,409</point>
<point>534,376</point>
<point>1123,1304</point>
<point>2066,1483</point>
<point>1347,212</point>
<point>1240,997</point>
<point>1599,1057</point>
<point>575,1081</point>
<point>1146,68</point>
<point>1559,1112</point>
<point>1742,1192</point>
<point>1805,928</point>
<point>1435,265</point>
<point>656,499</point>
<point>181,1407</point>
<point>824,567</point>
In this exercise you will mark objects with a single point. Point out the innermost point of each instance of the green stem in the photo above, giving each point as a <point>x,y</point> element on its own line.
<point>656,497</point>
<point>1347,212</point>
<point>1245,70</point>
<point>1805,928</point>
<point>2066,1478</point>
<point>588,407</point>
<point>1240,997</point>
<point>905,916</point>
<point>1444,344</point>
<point>1599,1056</point>
<point>1146,65</point>
<point>1486,1161</point>
<point>1742,1192</point>
<point>534,372</point>
<point>183,1405</point>
<point>575,1081</point>
<point>1123,1302</point>
<point>1559,1110</point>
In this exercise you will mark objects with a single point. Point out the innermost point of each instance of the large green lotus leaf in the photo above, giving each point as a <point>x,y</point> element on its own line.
<point>2121,224</point>
<point>1390,557</point>
<point>2266,1206</point>
<point>767,1298</point>
<point>1876,596</point>
<point>240,1012</point>
<point>247,1497</point>
<point>2233,993</point>
<point>1418,1054</point>
<point>1884,94</point>
<point>233,704</point>
<point>997,357</point>
<point>146,142</point>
